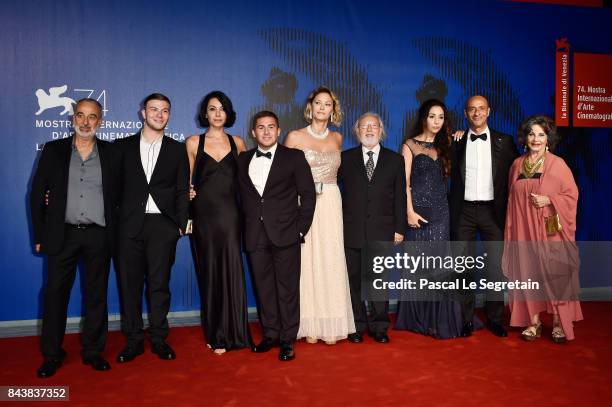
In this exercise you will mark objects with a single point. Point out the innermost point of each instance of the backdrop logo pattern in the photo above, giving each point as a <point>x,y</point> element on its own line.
<point>54,99</point>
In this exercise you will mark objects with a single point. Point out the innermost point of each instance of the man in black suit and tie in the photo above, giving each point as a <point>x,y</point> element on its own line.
<point>152,217</point>
<point>76,177</point>
<point>374,210</point>
<point>479,196</point>
<point>272,177</point>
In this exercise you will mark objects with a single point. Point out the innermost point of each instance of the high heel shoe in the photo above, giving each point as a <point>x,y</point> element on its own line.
<point>558,335</point>
<point>330,343</point>
<point>532,332</point>
<point>310,339</point>
<point>216,351</point>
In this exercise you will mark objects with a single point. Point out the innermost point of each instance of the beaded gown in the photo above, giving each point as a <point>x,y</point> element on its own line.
<point>216,244</point>
<point>325,298</point>
<point>438,316</point>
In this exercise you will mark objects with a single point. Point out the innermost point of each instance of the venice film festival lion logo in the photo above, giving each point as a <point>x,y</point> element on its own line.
<point>54,99</point>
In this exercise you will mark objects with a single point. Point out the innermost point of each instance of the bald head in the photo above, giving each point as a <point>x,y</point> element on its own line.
<point>91,101</point>
<point>479,99</point>
<point>477,112</point>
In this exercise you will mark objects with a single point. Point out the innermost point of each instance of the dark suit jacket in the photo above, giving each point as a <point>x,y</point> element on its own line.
<point>372,210</point>
<point>277,211</point>
<point>169,185</point>
<point>52,175</point>
<point>503,153</point>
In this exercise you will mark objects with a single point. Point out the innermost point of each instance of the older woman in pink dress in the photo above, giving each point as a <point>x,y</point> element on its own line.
<point>540,235</point>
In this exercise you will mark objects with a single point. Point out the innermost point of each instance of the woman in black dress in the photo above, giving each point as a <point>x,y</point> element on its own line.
<point>427,161</point>
<point>216,226</point>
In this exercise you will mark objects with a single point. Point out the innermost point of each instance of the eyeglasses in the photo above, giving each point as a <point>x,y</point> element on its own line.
<point>374,126</point>
<point>81,116</point>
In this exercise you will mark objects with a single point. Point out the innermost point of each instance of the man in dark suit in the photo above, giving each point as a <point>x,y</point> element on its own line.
<point>78,177</point>
<point>374,210</point>
<point>479,196</point>
<point>152,217</point>
<point>272,178</point>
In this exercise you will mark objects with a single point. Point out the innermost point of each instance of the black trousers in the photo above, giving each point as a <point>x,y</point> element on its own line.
<point>479,217</point>
<point>90,245</point>
<point>276,276</point>
<point>378,321</point>
<point>147,257</point>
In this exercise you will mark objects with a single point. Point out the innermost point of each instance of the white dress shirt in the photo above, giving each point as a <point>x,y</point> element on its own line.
<point>259,168</point>
<point>478,169</point>
<point>149,153</point>
<point>376,151</point>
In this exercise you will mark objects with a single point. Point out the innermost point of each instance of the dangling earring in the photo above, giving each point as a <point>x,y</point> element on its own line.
<point>546,148</point>
<point>331,118</point>
<point>525,149</point>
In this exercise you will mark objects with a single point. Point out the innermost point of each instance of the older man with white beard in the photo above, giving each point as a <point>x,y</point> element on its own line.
<point>374,210</point>
<point>73,198</point>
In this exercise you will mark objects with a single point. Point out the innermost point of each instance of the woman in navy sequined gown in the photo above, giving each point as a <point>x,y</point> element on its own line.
<point>426,156</point>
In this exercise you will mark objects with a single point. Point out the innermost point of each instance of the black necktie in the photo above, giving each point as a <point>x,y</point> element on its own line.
<point>262,154</point>
<point>482,136</point>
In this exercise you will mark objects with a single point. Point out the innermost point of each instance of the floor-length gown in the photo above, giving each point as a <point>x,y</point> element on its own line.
<point>439,315</point>
<point>530,253</point>
<point>325,299</point>
<point>216,244</point>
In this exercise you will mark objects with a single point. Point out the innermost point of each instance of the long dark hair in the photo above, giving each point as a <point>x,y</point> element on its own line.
<point>442,139</point>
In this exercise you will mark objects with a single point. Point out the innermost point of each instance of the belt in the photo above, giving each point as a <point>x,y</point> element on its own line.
<point>82,226</point>
<point>476,203</point>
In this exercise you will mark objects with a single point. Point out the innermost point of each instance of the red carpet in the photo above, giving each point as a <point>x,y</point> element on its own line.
<point>412,369</point>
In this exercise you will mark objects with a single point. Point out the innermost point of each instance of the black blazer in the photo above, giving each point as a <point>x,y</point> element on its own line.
<point>503,153</point>
<point>52,175</point>
<point>372,210</point>
<point>169,185</point>
<point>277,211</point>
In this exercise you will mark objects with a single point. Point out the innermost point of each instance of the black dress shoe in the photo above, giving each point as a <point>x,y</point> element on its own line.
<point>48,368</point>
<point>163,350</point>
<point>130,352</point>
<point>264,346</point>
<point>497,329</point>
<point>355,337</point>
<point>467,329</point>
<point>97,362</point>
<point>286,352</point>
<point>380,337</point>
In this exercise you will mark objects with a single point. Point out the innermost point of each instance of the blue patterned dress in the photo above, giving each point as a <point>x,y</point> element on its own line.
<point>437,316</point>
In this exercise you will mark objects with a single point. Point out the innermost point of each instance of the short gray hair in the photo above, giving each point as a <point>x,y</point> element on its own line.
<point>383,134</point>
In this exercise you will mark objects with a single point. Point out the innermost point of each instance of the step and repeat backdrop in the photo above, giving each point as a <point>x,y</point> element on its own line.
<point>383,56</point>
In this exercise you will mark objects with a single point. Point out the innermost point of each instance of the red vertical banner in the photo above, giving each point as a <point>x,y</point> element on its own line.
<point>592,90</point>
<point>562,86</point>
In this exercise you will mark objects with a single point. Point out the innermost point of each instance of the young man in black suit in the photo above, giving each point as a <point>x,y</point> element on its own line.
<point>479,196</point>
<point>272,177</point>
<point>77,178</point>
<point>374,209</point>
<point>152,217</point>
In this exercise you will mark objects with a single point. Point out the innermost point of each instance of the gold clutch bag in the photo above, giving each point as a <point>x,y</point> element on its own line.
<point>553,224</point>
